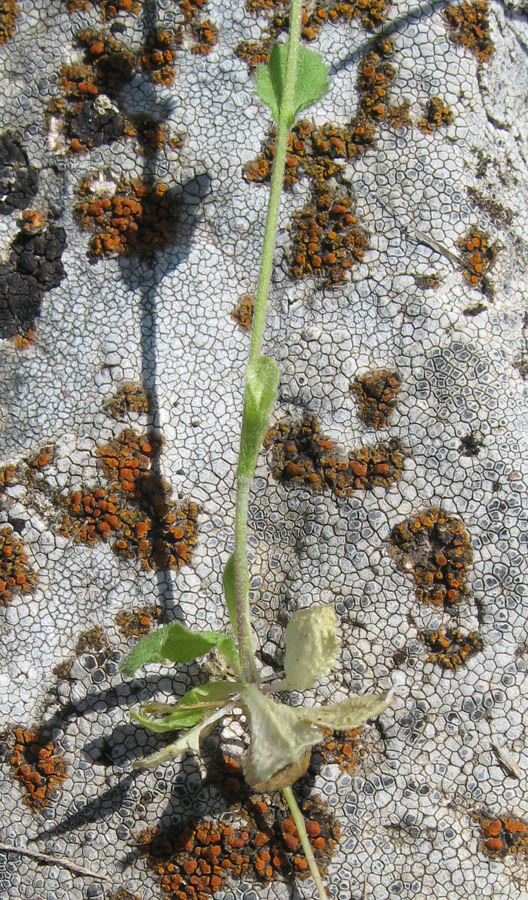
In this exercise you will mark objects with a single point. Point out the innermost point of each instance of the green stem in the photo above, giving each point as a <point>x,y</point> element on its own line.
<point>298,818</point>
<point>244,478</point>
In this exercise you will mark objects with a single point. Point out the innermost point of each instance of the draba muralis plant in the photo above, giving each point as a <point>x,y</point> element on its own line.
<point>281,737</point>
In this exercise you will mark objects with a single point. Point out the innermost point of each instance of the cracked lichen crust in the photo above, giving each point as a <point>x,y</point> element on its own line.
<point>139,339</point>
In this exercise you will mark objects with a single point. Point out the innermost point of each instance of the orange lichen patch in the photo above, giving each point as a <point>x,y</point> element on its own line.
<point>342,748</point>
<point>41,458</point>
<point>140,621</point>
<point>23,341</point>
<point>137,219</point>
<point>377,393</point>
<point>327,240</point>
<point>370,13</point>
<point>438,114</point>
<point>451,648</point>
<point>398,116</point>
<point>130,398</point>
<point>158,54</point>
<point>16,577</point>
<point>243,313</point>
<point>8,476</point>
<point>135,512</point>
<point>92,639</point>
<point>194,860</point>
<point>205,35</point>
<point>8,13</point>
<point>503,835</point>
<point>478,258</point>
<point>108,66</point>
<point>33,221</point>
<point>151,135</point>
<point>468,25</point>
<point>36,767</point>
<point>303,456</point>
<point>435,547</point>
<point>109,8</point>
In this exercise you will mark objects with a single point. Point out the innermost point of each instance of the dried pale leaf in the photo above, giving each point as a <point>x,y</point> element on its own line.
<point>351,713</point>
<point>280,740</point>
<point>189,741</point>
<point>312,647</point>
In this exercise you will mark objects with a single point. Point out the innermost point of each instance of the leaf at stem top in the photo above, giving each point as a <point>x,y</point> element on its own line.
<point>311,646</point>
<point>188,711</point>
<point>178,644</point>
<point>229,592</point>
<point>310,85</point>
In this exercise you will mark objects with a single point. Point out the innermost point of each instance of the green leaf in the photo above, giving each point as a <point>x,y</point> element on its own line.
<point>178,644</point>
<point>229,592</point>
<point>311,647</point>
<point>189,710</point>
<point>262,381</point>
<point>310,85</point>
<point>280,745</point>
<point>343,716</point>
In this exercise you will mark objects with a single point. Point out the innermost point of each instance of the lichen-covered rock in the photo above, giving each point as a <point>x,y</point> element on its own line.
<point>134,176</point>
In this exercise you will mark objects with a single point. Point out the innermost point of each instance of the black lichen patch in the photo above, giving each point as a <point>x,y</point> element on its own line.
<point>36,766</point>
<point>16,575</point>
<point>300,454</point>
<point>134,510</point>
<point>500,215</point>
<point>438,115</point>
<point>18,178</point>
<point>327,238</point>
<point>129,398</point>
<point>8,13</point>
<point>468,25</point>
<point>136,220</point>
<point>34,267</point>
<point>91,123</point>
<point>478,258</point>
<point>371,14</point>
<point>451,648</point>
<point>435,547</point>
<point>377,394</point>
<point>470,445</point>
<point>193,860</point>
<point>504,835</point>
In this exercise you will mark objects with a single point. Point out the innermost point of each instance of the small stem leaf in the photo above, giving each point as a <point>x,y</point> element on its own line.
<point>189,711</point>
<point>311,647</point>
<point>229,592</point>
<point>279,750</point>
<point>262,380</point>
<point>343,716</point>
<point>310,85</point>
<point>178,644</point>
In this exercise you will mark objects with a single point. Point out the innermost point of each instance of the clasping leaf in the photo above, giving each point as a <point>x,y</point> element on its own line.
<point>310,85</point>
<point>262,380</point>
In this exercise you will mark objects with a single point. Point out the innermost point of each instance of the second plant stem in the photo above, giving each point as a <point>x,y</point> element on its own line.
<point>244,478</point>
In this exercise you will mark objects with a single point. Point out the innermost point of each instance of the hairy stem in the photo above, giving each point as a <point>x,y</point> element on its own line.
<point>298,818</point>
<point>245,477</point>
